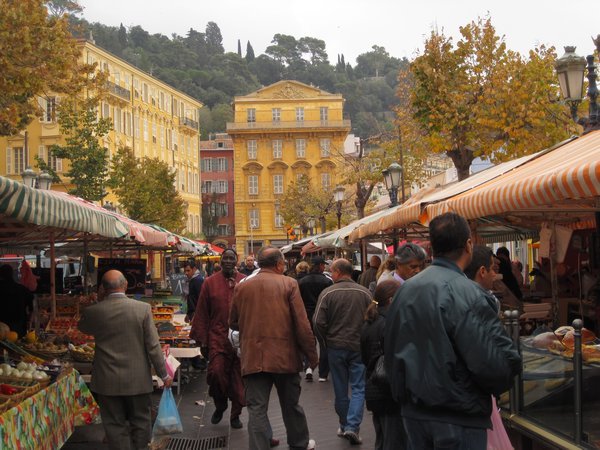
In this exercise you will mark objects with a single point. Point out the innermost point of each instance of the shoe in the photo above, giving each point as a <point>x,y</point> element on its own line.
<point>353,437</point>
<point>340,432</point>
<point>236,423</point>
<point>311,445</point>
<point>322,380</point>
<point>216,417</point>
<point>273,442</point>
<point>309,374</point>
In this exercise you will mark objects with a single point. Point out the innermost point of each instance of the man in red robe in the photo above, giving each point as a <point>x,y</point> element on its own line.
<point>210,327</point>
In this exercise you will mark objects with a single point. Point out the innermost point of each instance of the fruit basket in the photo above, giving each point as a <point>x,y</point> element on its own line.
<point>84,353</point>
<point>47,352</point>
<point>17,392</point>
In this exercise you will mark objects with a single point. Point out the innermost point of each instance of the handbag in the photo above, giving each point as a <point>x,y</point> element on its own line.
<point>378,376</point>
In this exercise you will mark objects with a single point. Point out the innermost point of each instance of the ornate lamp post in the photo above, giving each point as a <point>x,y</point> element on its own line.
<point>35,181</point>
<point>338,196</point>
<point>393,178</point>
<point>570,70</point>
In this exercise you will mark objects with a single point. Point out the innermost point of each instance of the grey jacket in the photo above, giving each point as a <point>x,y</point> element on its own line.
<point>339,315</point>
<point>126,344</point>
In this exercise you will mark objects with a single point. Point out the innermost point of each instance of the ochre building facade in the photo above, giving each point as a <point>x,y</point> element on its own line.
<point>280,133</point>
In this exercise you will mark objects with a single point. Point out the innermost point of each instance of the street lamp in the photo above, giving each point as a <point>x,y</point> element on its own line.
<point>35,181</point>
<point>311,225</point>
<point>110,207</point>
<point>570,69</point>
<point>338,196</point>
<point>393,177</point>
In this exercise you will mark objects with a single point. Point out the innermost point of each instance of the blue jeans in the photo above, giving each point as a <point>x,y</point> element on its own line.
<point>347,370</point>
<point>431,435</point>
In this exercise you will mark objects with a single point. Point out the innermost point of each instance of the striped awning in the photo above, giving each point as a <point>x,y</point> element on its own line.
<point>411,210</point>
<point>567,175</point>
<point>56,210</point>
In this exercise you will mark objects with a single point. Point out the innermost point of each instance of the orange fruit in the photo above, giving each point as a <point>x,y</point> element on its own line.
<point>12,336</point>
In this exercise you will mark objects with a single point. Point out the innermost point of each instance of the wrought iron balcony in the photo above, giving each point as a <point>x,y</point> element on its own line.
<point>292,125</point>
<point>119,91</point>
<point>189,123</point>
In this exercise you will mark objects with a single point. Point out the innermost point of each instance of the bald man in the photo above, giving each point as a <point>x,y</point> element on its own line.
<point>126,344</point>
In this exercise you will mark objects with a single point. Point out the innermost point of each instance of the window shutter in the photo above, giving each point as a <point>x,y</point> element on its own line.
<point>8,160</point>
<point>42,153</point>
<point>58,167</point>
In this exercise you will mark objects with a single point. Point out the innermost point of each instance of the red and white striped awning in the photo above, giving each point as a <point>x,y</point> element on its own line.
<point>568,174</point>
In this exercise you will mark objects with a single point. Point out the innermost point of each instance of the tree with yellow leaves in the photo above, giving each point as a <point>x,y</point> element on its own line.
<point>38,56</point>
<point>478,98</point>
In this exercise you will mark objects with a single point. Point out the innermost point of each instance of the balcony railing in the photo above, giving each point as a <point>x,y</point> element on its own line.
<point>119,91</point>
<point>190,123</point>
<point>295,125</point>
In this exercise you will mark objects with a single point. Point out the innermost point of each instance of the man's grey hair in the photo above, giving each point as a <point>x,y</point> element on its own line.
<point>410,251</point>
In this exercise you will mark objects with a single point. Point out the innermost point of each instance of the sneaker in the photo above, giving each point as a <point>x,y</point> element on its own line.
<point>216,417</point>
<point>353,437</point>
<point>309,374</point>
<point>311,445</point>
<point>236,423</point>
<point>322,380</point>
<point>340,432</point>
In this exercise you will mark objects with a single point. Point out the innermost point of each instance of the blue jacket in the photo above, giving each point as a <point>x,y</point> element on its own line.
<point>446,351</point>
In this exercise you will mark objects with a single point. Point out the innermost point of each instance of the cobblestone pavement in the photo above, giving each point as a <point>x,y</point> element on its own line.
<point>196,408</point>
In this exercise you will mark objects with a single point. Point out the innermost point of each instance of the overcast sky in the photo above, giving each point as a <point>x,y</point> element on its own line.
<point>352,27</point>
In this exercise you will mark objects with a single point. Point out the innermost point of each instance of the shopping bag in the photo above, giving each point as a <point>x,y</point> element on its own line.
<point>167,420</point>
<point>497,439</point>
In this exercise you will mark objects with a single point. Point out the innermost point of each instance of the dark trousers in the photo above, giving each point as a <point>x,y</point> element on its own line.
<point>389,431</point>
<point>258,390</point>
<point>224,378</point>
<point>127,420</point>
<point>323,361</point>
<point>428,434</point>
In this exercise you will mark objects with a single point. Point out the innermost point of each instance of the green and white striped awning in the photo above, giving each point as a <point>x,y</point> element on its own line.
<point>55,210</point>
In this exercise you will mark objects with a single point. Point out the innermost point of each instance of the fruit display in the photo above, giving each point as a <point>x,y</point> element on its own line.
<point>562,341</point>
<point>4,330</point>
<point>82,353</point>
<point>23,371</point>
<point>46,349</point>
<point>61,325</point>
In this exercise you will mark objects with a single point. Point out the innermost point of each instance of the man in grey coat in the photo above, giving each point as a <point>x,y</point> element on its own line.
<point>126,344</point>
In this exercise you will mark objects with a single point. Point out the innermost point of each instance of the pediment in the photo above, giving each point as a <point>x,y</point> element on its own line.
<point>325,163</point>
<point>288,89</point>
<point>301,165</point>
<point>252,166</point>
<point>277,165</point>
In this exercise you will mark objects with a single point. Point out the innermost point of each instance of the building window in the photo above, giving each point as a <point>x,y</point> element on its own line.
<point>136,126</point>
<point>105,110</point>
<point>300,148</point>
<point>278,220</point>
<point>206,165</point>
<point>221,165</point>
<point>299,114</point>
<point>222,186</point>
<point>253,185</point>
<point>252,149</point>
<point>145,92</point>
<point>276,113</point>
<point>251,115</point>
<point>54,162</point>
<point>207,187</point>
<point>19,160</point>
<point>222,230</point>
<point>277,184</point>
<point>325,145</point>
<point>48,106</point>
<point>146,130</point>
<point>325,181</point>
<point>324,113</point>
<point>277,148</point>
<point>254,217</point>
<point>222,209</point>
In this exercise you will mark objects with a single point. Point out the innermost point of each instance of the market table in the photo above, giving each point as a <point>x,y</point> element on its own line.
<point>45,420</point>
<point>183,353</point>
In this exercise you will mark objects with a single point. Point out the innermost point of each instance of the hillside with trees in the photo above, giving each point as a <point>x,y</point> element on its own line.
<point>198,65</point>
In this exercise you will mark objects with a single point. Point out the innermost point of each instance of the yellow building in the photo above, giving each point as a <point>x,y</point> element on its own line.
<point>148,116</point>
<point>281,132</point>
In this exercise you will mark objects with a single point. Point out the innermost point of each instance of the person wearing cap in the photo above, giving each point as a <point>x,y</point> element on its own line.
<point>311,287</point>
<point>410,260</point>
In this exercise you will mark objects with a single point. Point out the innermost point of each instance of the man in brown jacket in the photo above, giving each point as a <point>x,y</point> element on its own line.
<point>274,331</point>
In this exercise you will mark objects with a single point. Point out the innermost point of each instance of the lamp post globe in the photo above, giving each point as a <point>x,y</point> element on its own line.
<point>392,176</point>
<point>338,196</point>
<point>29,177</point>
<point>44,181</point>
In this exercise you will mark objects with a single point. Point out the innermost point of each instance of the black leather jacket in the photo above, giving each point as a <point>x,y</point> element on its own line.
<point>446,351</point>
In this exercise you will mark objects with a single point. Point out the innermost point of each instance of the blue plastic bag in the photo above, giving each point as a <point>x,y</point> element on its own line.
<point>167,420</point>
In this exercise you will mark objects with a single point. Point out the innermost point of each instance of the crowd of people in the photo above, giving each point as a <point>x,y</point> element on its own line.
<point>421,347</point>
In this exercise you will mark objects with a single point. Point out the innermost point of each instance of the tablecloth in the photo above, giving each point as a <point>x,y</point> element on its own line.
<point>45,420</point>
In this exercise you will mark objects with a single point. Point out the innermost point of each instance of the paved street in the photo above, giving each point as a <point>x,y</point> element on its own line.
<point>316,398</point>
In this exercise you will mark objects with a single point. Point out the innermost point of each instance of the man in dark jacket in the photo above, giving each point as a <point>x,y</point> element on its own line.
<point>446,352</point>
<point>17,301</point>
<point>311,286</point>
<point>195,280</point>
<point>370,275</point>
<point>338,322</point>
<point>248,266</point>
